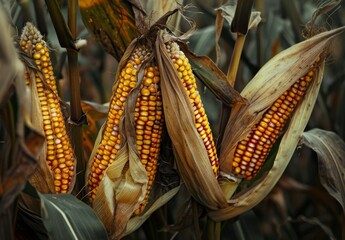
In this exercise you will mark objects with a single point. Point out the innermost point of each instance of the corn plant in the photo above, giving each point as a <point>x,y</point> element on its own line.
<point>174,120</point>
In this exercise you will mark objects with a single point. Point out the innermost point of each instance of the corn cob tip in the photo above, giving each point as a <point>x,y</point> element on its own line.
<point>31,38</point>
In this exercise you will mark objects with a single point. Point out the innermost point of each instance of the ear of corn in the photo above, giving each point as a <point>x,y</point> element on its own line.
<point>252,151</point>
<point>59,157</point>
<point>202,125</point>
<point>148,117</point>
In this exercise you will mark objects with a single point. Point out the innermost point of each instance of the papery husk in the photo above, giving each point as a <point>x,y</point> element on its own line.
<point>189,150</point>
<point>277,76</point>
<point>123,186</point>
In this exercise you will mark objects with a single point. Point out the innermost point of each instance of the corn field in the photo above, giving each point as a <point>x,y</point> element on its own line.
<point>172,119</point>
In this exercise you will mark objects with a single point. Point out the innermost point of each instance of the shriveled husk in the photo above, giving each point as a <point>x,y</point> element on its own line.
<point>269,83</point>
<point>124,183</point>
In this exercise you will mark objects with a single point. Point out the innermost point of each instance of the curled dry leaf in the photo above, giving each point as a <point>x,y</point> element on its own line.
<point>330,149</point>
<point>276,76</point>
<point>213,78</point>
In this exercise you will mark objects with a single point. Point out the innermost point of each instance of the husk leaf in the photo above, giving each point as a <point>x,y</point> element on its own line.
<point>135,222</point>
<point>190,153</point>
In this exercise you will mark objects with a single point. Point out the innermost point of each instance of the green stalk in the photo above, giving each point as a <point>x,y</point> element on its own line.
<point>218,230</point>
<point>235,59</point>
<point>210,229</point>
<point>213,229</point>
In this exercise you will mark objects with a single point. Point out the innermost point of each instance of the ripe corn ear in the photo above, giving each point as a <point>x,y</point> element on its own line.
<point>148,117</point>
<point>202,125</point>
<point>60,156</point>
<point>252,151</point>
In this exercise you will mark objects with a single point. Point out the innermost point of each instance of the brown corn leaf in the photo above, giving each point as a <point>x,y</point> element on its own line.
<point>330,149</point>
<point>277,76</point>
<point>190,153</point>
<point>213,78</point>
<point>112,22</point>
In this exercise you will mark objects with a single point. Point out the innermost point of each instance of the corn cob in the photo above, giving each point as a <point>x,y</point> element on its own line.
<point>148,118</point>
<point>252,151</point>
<point>202,125</point>
<point>60,155</point>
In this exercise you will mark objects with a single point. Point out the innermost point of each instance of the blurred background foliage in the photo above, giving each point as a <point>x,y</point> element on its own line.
<point>298,207</point>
